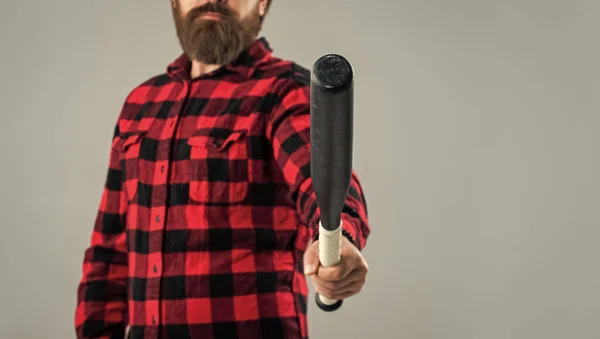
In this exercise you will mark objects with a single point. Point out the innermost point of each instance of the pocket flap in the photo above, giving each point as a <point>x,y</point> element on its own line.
<point>127,139</point>
<point>211,140</point>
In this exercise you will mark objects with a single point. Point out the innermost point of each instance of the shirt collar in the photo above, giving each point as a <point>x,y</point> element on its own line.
<point>246,63</point>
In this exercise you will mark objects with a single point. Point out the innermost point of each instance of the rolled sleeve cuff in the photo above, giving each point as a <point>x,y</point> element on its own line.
<point>349,230</point>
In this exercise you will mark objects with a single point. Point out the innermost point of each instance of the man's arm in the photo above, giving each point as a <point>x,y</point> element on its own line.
<point>289,133</point>
<point>101,297</point>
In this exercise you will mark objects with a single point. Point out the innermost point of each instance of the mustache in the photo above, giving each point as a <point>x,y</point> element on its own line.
<point>211,7</point>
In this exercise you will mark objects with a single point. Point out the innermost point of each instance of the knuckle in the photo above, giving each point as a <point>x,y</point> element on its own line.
<point>337,274</point>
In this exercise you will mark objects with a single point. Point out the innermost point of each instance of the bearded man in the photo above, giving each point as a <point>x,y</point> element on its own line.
<point>208,223</point>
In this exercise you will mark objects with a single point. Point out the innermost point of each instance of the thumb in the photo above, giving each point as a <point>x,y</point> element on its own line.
<point>311,258</point>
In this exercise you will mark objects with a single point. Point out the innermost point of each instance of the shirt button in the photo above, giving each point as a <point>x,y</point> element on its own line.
<point>153,320</point>
<point>217,143</point>
<point>162,168</point>
<point>158,218</point>
<point>155,269</point>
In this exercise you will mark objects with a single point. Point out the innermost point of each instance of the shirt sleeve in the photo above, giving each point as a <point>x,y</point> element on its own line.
<point>288,131</point>
<point>101,296</point>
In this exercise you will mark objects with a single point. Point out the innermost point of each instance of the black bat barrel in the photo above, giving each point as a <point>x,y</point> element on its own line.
<point>331,134</point>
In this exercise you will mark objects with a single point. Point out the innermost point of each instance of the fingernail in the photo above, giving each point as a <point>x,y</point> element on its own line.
<point>309,269</point>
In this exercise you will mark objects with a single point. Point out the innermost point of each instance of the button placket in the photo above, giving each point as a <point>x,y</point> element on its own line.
<point>158,216</point>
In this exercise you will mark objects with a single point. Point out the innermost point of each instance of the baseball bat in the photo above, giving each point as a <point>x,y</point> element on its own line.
<point>331,133</point>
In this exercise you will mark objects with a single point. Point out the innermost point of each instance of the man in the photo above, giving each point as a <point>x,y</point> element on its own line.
<point>208,222</point>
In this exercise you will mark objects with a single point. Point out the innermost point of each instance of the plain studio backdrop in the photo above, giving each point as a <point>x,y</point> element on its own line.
<point>476,138</point>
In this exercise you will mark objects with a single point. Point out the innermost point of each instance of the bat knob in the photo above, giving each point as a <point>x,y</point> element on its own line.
<point>332,73</point>
<point>326,307</point>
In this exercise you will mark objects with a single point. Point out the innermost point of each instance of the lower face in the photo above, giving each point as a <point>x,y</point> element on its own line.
<point>214,33</point>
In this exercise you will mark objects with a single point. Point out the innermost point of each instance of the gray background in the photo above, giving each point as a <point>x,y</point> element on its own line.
<point>476,140</point>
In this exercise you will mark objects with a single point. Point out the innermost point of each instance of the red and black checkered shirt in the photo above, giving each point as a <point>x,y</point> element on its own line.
<point>208,208</point>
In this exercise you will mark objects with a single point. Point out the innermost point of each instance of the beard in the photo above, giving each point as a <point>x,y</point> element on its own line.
<point>215,42</point>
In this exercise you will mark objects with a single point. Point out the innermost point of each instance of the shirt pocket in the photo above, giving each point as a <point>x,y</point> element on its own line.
<point>219,167</point>
<point>129,145</point>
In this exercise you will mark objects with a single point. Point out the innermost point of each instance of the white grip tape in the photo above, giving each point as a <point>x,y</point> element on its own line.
<point>330,246</point>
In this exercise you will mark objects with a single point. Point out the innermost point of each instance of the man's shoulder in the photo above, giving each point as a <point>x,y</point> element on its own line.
<point>139,96</point>
<point>289,83</point>
<point>139,92</point>
<point>286,72</point>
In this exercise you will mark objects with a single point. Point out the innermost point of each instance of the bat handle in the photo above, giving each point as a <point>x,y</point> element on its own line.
<point>330,246</point>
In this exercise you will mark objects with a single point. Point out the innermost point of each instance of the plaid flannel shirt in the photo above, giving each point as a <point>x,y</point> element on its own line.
<point>208,208</point>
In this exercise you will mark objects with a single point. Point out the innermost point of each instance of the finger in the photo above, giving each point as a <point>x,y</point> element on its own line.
<point>353,286</point>
<point>355,275</point>
<point>335,273</point>
<point>342,293</point>
<point>311,258</point>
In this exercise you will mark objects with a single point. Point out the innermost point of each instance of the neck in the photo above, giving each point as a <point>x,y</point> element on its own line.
<point>199,68</point>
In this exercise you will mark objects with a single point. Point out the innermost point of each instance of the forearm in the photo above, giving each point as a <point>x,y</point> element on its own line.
<point>102,291</point>
<point>354,218</point>
<point>289,133</point>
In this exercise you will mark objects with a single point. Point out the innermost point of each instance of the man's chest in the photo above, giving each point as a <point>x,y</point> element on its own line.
<point>197,149</point>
